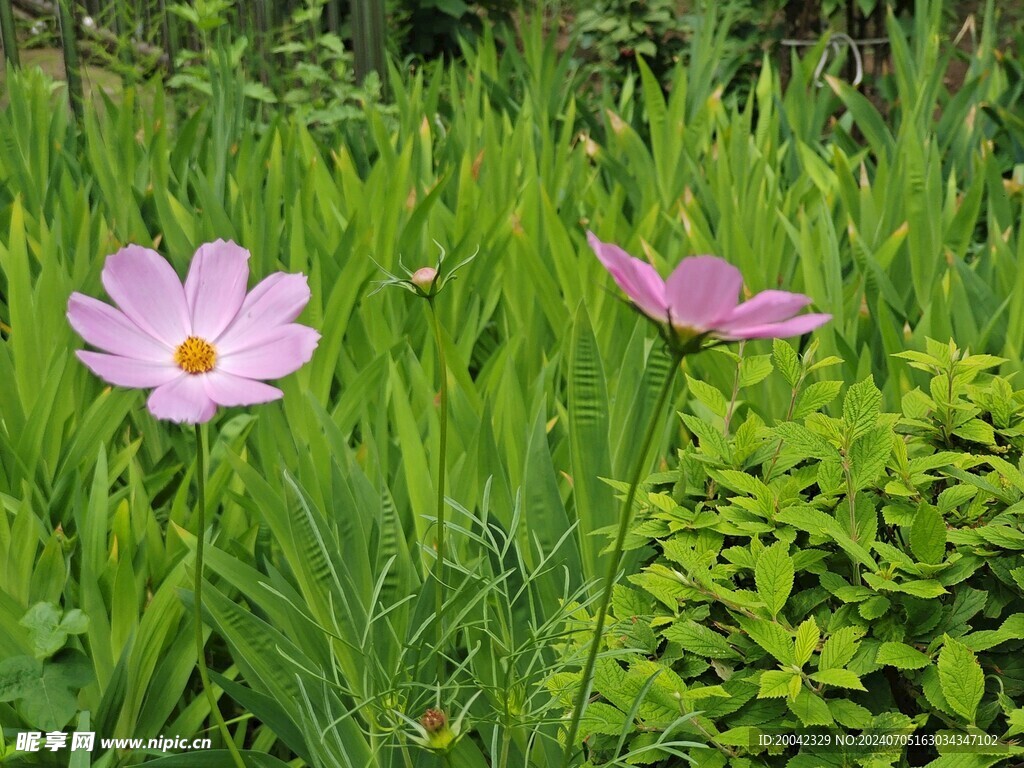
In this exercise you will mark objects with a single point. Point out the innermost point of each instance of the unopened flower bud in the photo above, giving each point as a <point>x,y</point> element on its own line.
<point>435,726</point>
<point>423,278</point>
<point>433,720</point>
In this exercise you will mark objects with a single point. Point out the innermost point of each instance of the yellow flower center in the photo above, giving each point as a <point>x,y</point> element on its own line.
<point>195,355</point>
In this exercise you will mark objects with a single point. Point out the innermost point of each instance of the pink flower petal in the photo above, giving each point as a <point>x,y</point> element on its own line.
<point>215,287</point>
<point>226,389</point>
<point>127,371</point>
<point>183,400</point>
<point>795,326</point>
<point>701,291</point>
<point>109,329</point>
<point>765,307</point>
<point>280,351</point>
<point>148,291</point>
<point>276,300</point>
<point>637,279</point>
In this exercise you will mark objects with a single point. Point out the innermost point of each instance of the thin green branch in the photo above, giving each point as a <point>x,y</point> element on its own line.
<point>204,675</point>
<point>614,562</point>
<point>441,466</point>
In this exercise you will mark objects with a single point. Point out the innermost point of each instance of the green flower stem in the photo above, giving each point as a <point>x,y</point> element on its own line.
<point>616,557</point>
<point>204,675</point>
<point>441,463</point>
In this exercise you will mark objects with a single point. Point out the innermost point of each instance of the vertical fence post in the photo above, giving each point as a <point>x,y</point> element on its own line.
<point>7,34</point>
<point>368,37</point>
<point>69,43</point>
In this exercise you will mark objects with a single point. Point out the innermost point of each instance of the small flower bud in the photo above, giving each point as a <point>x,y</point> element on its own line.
<point>433,720</point>
<point>423,278</point>
<point>439,736</point>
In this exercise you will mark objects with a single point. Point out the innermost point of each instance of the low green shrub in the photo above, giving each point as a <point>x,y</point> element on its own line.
<point>858,575</point>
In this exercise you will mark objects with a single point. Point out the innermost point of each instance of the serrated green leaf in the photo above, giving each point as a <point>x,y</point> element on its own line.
<point>712,442</point>
<point>849,714</point>
<point>839,648</point>
<point>810,708</point>
<point>977,431</point>
<point>962,680</point>
<point>754,369</point>
<point>841,678</point>
<point>921,588</point>
<point>787,361</point>
<point>928,535</point>
<point>1002,536</point>
<point>774,683</point>
<point>599,717</point>
<point>869,454</point>
<point>817,522</point>
<point>1017,574</point>
<point>861,407</point>
<point>815,397</point>
<point>774,576</point>
<point>874,608</point>
<point>698,639</point>
<point>1015,719</point>
<point>807,636</point>
<point>708,395</point>
<point>901,656</point>
<point>1012,628</point>
<point>742,736</point>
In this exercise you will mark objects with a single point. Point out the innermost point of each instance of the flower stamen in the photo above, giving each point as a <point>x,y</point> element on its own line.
<point>195,355</point>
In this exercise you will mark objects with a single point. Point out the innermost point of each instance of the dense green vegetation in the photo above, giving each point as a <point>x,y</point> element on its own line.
<point>838,513</point>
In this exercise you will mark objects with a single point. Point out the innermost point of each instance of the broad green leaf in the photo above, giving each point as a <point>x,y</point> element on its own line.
<point>901,656</point>
<point>963,683</point>
<point>841,678</point>
<point>810,708</point>
<point>599,717</point>
<point>18,675</point>
<point>874,608</point>
<point>849,714</point>
<point>774,577</point>
<point>839,648</point>
<point>816,396</point>
<point>786,360</point>
<point>699,639</point>
<point>922,588</point>
<point>861,407</point>
<point>708,395</point>
<point>807,636</point>
<point>928,534</point>
<point>52,700</point>
<point>771,637</point>
<point>774,683</point>
<point>754,369</point>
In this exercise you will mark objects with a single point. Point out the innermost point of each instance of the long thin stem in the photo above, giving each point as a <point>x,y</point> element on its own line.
<point>441,464</point>
<point>614,561</point>
<point>204,675</point>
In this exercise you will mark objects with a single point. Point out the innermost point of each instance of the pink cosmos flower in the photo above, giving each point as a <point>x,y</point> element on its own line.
<point>200,345</point>
<point>701,297</point>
